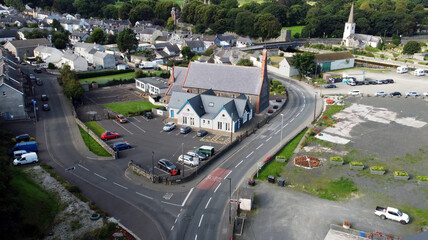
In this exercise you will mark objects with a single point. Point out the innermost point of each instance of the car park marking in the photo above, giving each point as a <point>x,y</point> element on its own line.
<point>208,203</point>
<point>268,139</point>
<point>259,146</point>
<point>100,176</point>
<point>117,184</point>
<point>227,175</point>
<point>177,134</point>
<point>251,153</point>
<point>138,127</point>
<point>285,125</point>
<point>190,192</point>
<point>173,204</point>
<point>136,119</point>
<point>196,236</point>
<point>144,195</point>
<point>200,221</point>
<point>239,163</point>
<point>194,136</point>
<point>82,167</point>
<point>168,196</point>
<point>172,227</point>
<point>217,187</point>
<point>123,127</point>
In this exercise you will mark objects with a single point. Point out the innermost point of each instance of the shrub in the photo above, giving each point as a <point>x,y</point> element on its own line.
<point>102,73</point>
<point>377,168</point>
<point>422,178</point>
<point>336,159</point>
<point>140,74</point>
<point>73,189</point>
<point>353,163</point>
<point>51,66</point>
<point>401,173</point>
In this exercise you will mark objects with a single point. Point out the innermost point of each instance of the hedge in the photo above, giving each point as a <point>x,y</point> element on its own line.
<point>102,73</point>
<point>117,82</point>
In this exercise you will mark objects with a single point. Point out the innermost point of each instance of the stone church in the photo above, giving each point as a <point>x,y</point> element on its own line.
<point>354,40</point>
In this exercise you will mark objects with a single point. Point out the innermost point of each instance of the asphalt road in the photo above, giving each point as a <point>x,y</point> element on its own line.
<point>188,211</point>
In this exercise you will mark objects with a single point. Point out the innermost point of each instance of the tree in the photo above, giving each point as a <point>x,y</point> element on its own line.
<point>266,26</point>
<point>141,12</point>
<point>411,47</point>
<point>15,3</point>
<point>110,12</point>
<point>124,10</point>
<point>60,39</point>
<point>126,40</point>
<point>57,25</point>
<point>244,62</point>
<point>187,53</point>
<point>303,63</point>
<point>208,52</point>
<point>70,83</point>
<point>244,23</point>
<point>396,40</point>
<point>170,24</point>
<point>111,39</point>
<point>163,9</point>
<point>97,36</point>
<point>64,6</point>
<point>60,43</point>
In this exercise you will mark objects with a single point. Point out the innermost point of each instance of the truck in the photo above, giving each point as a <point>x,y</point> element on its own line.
<point>392,214</point>
<point>122,67</point>
<point>402,69</point>
<point>146,65</point>
<point>419,72</point>
<point>27,146</point>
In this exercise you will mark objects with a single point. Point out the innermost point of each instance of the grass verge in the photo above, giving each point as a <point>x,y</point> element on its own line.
<point>93,145</point>
<point>105,79</point>
<point>274,168</point>
<point>294,30</point>
<point>127,108</point>
<point>339,189</point>
<point>95,127</point>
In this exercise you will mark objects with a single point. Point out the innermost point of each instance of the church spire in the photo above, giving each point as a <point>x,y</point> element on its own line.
<point>351,14</point>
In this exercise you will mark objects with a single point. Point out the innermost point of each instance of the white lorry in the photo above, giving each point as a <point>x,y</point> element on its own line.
<point>419,72</point>
<point>402,69</point>
<point>146,65</point>
<point>392,214</point>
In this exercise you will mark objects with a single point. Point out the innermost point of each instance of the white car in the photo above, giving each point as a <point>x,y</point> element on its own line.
<point>199,154</point>
<point>412,94</point>
<point>169,126</point>
<point>188,160</point>
<point>354,92</point>
<point>26,158</point>
<point>381,93</point>
<point>426,94</point>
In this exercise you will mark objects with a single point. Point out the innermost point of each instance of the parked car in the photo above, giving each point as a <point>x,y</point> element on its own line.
<point>330,86</point>
<point>185,129</point>
<point>354,92</point>
<point>385,81</point>
<point>121,146</point>
<point>201,133</point>
<point>169,126</point>
<point>426,94</point>
<point>390,80</point>
<point>372,82</point>
<point>379,82</point>
<point>21,138</point>
<point>412,94</point>
<point>200,155</point>
<point>120,118</point>
<point>38,70</point>
<point>46,107</point>
<point>381,93</point>
<point>32,77</point>
<point>148,115</point>
<point>39,82</point>
<point>366,83</point>
<point>44,97</point>
<point>392,214</point>
<point>109,135</point>
<point>188,160</point>
<point>26,158</point>
<point>168,166</point>
<point>17,154</point>
<point>395,94</point>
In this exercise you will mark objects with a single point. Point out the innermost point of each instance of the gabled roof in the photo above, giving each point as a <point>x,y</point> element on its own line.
<point>179,75</point>
<point>327,57</point>
<point>155,81</point>
<point>172,48</point>
<point>4,33</point>
<point>30,42</point>
<point>209,92</point>
<point>49,50</point>
<point>222,37</point>
<point>194,44</point>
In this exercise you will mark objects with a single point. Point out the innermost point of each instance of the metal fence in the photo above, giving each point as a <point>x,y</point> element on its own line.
<point>360,235</point>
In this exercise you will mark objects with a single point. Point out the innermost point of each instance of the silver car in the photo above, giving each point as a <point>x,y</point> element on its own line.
<point>412,94</point>
<point>381,93</point>
<point>188,160</point>
<point>169,126</point>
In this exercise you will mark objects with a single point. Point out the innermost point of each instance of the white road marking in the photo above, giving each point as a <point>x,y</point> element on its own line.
<point>172,227</point>
<point>173,204</point>
<point>194,136</point>
<point>200,221</point>
<point>196,236</point>
<point>251,153</point>
<point>292,120</point>
<point>268,139</point>
<point>285,125</point>
<point>144,195</point>
<point>227,175</point>
<point>259,146</point>
<point>100,176</point>
<point>123,127</point>
<point>239,163</point>
<point>138,127</point>
<point>136,119</point>
<point>208,203</point>
<point>117,184</point>
<point>82,167</point>
<point>179,213</point>
<point>175,221</point>
<point>277,131</point>
<point>217,187</point>
<point>160,131</point>
<point>190,192</point>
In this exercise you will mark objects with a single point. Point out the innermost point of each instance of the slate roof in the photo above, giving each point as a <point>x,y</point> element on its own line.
<point>30,42</point>
<point>172,48</point>
<point>194,44</point>
<point>69,55</point>
<point>226,38</point>
<point>179,75</point>
<point>45,49</point>
<point>4,33</point>
<point>328,57</point>
<point>226,78</point>
<point>155,81</point>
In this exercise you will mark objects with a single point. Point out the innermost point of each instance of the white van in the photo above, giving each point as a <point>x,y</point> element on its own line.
<point>17,154</point>
<point>402,69</point>
<point>26,158</point>
<point>419,72</point>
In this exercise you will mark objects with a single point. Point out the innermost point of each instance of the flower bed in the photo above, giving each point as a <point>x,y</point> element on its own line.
<point>401,175</point>
<point>307,161</point>
<point>336,160</point>
<point>379,170</point>
<point>356,165</point>
<point>422,180</point>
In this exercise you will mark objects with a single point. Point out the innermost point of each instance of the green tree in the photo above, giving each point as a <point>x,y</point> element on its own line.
<point>208,52</point>
<point>244,23</point>
<point>411,47</point>
<point>170,24</point>
<point>163,9</point>
<point>124,9</point>
<point>244,62</point>
<point>97,36</point>
<point>187,53</point>
<point>126,40</point>
<point>64,6</point>
<point>110,12</point>
<point>303,63</point>
<point>141,12</point>
<point>396,40</point>
<point>267,26</point>
<point>111,39</point>
<point>33,25</point>
<point>57,25</point>
<point>60,43</point>
<point>15,3</point>
<point>70,83</point>
<point>60,39</point>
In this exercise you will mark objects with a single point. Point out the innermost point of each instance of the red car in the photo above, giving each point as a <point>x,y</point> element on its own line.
<point>109,135</point>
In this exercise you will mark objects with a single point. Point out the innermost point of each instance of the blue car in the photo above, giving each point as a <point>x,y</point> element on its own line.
<point>185,129</point>
<point>121,146</point>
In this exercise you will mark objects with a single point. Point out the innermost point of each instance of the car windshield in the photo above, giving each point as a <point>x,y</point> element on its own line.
<point>399,213</point>
<point>168,163</point>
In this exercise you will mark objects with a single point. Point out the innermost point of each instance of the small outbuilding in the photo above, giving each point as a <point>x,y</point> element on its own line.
<point>246,198</point>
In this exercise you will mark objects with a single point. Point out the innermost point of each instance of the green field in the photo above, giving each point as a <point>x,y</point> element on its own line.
<point>294,30</point>
<point>105,79</point>
<point>92,145</point>
<point>127,108</point>
<point>97,129</point>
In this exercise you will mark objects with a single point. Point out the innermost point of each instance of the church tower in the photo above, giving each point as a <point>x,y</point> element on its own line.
<point>349,26</point>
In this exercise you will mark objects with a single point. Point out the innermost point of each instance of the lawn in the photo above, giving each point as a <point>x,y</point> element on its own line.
<point>274,168</point>
<point>294,30</point>
<point>339,189</point>
<point>127,108</point>
<point>38,206</point>
<point>97,129</point>
<point>105,79</point>
<point>92,145</point>
<point>275,60</point>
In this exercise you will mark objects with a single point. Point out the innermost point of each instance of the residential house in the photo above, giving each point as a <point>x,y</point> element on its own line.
<point>165,50</point>
<point>226,81</point>
<point>44,52</point>
<point>58,58</point>
<point>243,42</point>
<point>75,62</point>
<point>225,41</point>
<point>75,37</point>
<point>206,110</point>
<point>196,46</point>
<point>4,10</point>
<point>286,68</point>
<point>208,40</point>
<point>152,85</point>
<point>49,19</point>
<point>23,48</point>
<point>8,35</point>
<point>335,61</point>
<point>104,60</point>
<point>40,14</point>
<point>147,34</point>
<point>84,50</point>
<point>73,25</point>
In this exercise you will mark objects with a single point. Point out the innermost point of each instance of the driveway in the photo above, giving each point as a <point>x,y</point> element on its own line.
<point>283,213</point>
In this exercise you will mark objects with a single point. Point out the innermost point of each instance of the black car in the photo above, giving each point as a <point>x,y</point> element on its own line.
<point>359,82</point>
<point>185,129</point>
<point>148,115</point>
<point>22,138</point>
<point>121,146</point>
<point>38,70</point>
<point>372,82</point>
<point>389,80</point>
<point>385,81</point>
<point>395,94</point>
<point>330,86</point>
<point>201,133</point>
<point>168,166</point>
<point>44,97</point>
<point>46,107</point>
<point>366,83</point>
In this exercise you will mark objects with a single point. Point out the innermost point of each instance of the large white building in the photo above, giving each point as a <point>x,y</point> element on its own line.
<point>58,58</point>
<point>95,54</point>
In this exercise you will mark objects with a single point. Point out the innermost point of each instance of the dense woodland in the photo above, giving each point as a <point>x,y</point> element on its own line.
<point>322,18</point>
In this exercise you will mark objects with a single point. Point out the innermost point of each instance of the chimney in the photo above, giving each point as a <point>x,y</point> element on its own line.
<point>172,77</point>
<point>264,64</point>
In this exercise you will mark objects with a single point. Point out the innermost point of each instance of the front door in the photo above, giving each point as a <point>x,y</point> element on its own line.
<point>172,113</point>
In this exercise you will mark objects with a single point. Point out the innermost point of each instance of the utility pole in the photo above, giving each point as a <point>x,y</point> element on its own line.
<point>231,129</point>
<point>282,123</point>
<point>182,155</point>
<point>230,199</point>
<point>315,106</point>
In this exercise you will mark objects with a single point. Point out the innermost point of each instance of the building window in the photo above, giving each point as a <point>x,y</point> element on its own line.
<point>203,121</point>
<point>188,110</point>
<point>4,93</point>
<point>208,121</point>
<point>184,120</point>
<point>210,104</point>
<point>219,125</point>
<point>192,121</point>
<point>222,115</point>
<point>227,126</point>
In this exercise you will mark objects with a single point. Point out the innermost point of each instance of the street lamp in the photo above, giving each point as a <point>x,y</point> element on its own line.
<point>315,106</point>
<point>153,166</point>
<point>182,155</point>
<point>282,123</point>
<point>230,199</point>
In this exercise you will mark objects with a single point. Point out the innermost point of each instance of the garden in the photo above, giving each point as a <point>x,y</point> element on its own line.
<point>131,108</point>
